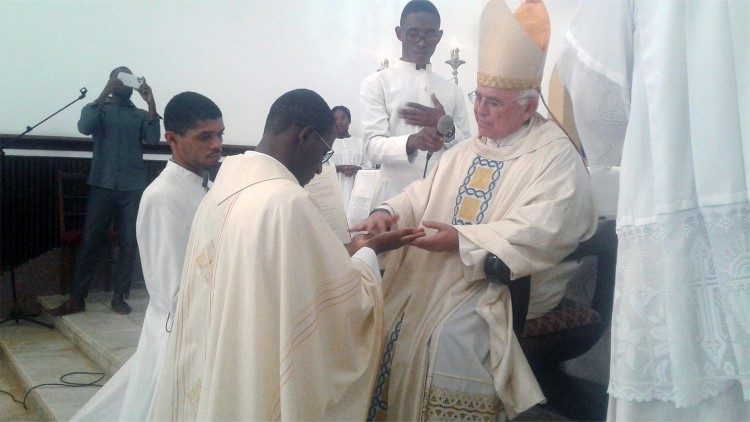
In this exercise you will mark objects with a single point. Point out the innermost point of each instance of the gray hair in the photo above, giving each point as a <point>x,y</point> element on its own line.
<point>527,95</point>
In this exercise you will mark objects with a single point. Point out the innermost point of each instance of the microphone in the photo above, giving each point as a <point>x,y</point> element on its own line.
<point>446,129</point>
<point>205,179</point>
<point>83,92</point>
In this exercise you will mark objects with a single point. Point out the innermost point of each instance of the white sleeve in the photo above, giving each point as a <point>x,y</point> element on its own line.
<point>162,240</point>
<point>368,257</point>
<point>380,146</point>
<point>472,256</point>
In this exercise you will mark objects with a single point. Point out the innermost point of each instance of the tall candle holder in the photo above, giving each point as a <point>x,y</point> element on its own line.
<point>455,62</point>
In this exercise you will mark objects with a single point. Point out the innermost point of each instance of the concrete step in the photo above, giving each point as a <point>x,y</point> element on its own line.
<point>9,410</point>
<point>38,355</point>
<point>97,340</point>
<point>107,338</point>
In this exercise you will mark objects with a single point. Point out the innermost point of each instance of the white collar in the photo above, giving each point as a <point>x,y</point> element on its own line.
<point>510,139</point>
<point>183,172</point>
<point>400,64</point>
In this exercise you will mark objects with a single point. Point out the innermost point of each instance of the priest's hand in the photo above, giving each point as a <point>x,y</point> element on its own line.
<point>420,115</point>
<point>394,239</point>
<point>426,139</point>
<point>445,240</point>
<point>357,243</point>
<point>379,221</point>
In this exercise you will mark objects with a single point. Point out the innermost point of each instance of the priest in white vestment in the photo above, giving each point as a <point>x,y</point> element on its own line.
<point>401,105</point>
<point>667,83</point>
<point>274,319</point>
<point>518,190</point>
<point>194,129</point>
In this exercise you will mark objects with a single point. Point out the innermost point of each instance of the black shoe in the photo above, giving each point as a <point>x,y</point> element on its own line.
<point>70,306</point>
<point>119,306</point>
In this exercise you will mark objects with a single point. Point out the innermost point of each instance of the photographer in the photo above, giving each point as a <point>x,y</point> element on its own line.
<point>117,178</point>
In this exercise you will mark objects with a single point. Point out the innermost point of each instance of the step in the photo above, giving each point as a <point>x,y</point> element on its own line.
<point>9,410</point>
<point>38,355</point>
<point>107,338</point>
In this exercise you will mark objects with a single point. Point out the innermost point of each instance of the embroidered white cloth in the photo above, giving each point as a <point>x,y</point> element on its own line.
<point>274,319</point>
<point>165,214</point>
<point>382,95</point>
<point>671,78</point>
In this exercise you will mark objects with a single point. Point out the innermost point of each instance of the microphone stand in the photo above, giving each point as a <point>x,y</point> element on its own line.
<point>16,313</point>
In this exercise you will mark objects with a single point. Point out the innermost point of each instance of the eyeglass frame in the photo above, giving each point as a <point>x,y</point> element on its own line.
<point>429,39</point>
<point>473,98</point>
<point>327,156</point>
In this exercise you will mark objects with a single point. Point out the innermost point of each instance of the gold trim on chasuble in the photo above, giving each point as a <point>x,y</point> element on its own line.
<point>475,193</point>
<point>206,262</point>
<point>445,404</point>
<point>194,395</point>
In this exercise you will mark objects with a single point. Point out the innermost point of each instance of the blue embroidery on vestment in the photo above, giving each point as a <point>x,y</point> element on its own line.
<point>378,404</point>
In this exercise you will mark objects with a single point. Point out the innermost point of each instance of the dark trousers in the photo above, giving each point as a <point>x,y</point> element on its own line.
<point>102,207</point>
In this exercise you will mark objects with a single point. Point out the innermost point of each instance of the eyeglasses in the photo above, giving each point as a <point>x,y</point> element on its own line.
<point>492,103</point>
<point>430,37</point>
<point>327,156</point>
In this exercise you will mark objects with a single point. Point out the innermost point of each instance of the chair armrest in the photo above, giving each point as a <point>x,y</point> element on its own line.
<point>497,272</point>
<point>495,269</point>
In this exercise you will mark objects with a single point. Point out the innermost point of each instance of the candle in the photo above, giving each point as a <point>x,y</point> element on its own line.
<point>454,54</point>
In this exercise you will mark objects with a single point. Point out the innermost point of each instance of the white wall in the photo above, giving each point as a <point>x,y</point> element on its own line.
<point>241,54</point>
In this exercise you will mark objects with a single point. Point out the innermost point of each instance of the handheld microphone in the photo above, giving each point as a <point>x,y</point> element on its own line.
<point>445,128</point>
<point>205,179</point>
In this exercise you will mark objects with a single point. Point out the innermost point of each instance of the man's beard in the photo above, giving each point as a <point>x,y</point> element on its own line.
<point>124,95</point>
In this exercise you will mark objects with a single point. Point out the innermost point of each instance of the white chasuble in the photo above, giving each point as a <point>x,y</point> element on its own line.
<point>165,215</point>
<point>274,319</point>
<point>530,204</point>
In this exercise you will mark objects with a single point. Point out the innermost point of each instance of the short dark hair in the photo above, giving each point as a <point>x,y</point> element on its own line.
<point>301,107</point>
<point>186,109</point>
<point>344,109</point>
<point>415,6</point>
<point>116,71</point>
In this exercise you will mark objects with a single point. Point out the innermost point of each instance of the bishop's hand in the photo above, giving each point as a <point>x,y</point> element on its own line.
<point>378,222</point>
<point>444,240</point>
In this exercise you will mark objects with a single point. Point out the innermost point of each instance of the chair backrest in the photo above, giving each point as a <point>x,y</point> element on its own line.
<point>72,194</point>
<point>603,245</point>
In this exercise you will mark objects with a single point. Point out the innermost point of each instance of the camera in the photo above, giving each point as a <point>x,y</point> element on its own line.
<point>130,80</point>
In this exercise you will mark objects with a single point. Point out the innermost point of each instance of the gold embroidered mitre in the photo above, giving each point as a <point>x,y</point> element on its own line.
<point>513,47</point>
